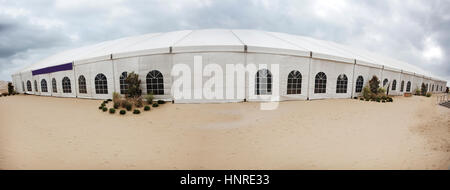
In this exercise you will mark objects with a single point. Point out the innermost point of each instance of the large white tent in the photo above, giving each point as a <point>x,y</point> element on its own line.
<point>307,68</point>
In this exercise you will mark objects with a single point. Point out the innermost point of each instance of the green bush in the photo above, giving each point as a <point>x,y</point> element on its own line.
<point>417,92</point>
<point>149,98</point>
<point>163,102</point>
<point>374,84</point>
<point>112,110</point>
<point>155,105</point>
<point>108,100</point>
<point>381,90</point>
<point>355,98</point>
<point>428,94</point>
<point>10,88</point>
<point>122,112</point>
<point>361,98</point>
<point>390,99</point>
<point>136,112</point>
<point>384,101</point>
<point>378,99</point>
<point>103,104</point>
<point>128,107</point>
<point>366,92</point>
<point>104,109</point>
<point>127,104</point>
<point>101,107</point>
<point>367,99</point>
<point>116,105</point>
<point>146,108</point>
<point>134,85</point>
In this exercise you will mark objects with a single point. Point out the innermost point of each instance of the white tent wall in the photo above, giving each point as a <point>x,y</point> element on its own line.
<point>161,63</point>
<point>286,64</point>
<point>127,65</point>
<point>85,71</point>
<point>218,58</point>
<point>407,77</point>
<point>59,77</point>
<point>45,77</point>
<point>392,75</point>
<point>58,85</point>
<point>332,70</point>
<point>96,68</point>
<point>26,76</point>
<point>367,71</point>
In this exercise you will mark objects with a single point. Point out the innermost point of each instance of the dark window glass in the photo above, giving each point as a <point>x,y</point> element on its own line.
<point>44,85</point>
<point>263,82</point>
<point>55,90</point>
<point>155,83</point>
<point>359,83</point>
<point>101,84</point>
<point>408,86</point>
<point>394,85</point>
<point>320,84</point>
<point>294,84</point>
<point>123,83</point>
<point>341,84</point>
<point>82,85</point>
<point>29,86</point>
<point>67,88</point>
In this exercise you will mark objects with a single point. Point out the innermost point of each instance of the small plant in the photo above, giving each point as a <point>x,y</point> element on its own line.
<point>126,104</point>
<point>374,84</point>
<point>163,102</point>
<point>417,92</point>
<point>116,98</point>
<point>390,99</point>
<point>367,99</point>
<point>104,109</point>
<point>136,112</point>
<point>109,100</point>
<point>149,98</point>
<point>384,101</point>
<point>116,105</point>
<point>355,98</point>
<point>101,107</point>
<point>147,108</point>
<point>428,94</point>
<point>128,107</point>
<point>122,112</point>
<point>112,110</point>
<point>138,102</point>
<point>105,102</point>
<point>381,90</point>
<point>155,105</point>
<point>361,98</point>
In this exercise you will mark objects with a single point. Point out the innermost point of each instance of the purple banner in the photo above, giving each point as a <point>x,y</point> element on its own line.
<point>52,69</point>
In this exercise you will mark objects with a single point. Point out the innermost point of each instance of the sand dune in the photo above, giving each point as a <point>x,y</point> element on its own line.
<point>65,133</point>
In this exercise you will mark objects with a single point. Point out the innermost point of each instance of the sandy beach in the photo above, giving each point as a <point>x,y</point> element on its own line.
<point>66,133</point>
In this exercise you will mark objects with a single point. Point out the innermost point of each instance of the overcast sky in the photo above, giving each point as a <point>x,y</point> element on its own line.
<point>417,32</point>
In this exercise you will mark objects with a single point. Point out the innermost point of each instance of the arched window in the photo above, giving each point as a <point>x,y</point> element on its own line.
<point>402,85</point>
<point>123,83</point>
<point>394,84</point>
<point>263,82</point>
<point>67,88</point>
<point>82,84</point>
<point>29,86</point>
<point>55,90</point>
<point>44,85</point>
<point>23,86</point>
<point>294,84</point>
<point>155,83</point>
<point>320,84</point>
<point>359,83</point>
<point>341,84</point>
<point>101,84</point>
<point>432,88</point>
<point>426,88</point>
<point>408,86</point>
<point>385,81</point>
<point>35,86</point>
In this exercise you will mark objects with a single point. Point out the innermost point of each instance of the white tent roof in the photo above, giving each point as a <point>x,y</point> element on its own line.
<point>222,40</point>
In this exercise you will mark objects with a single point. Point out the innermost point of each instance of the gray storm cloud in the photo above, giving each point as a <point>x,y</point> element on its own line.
<point>413,31</point>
